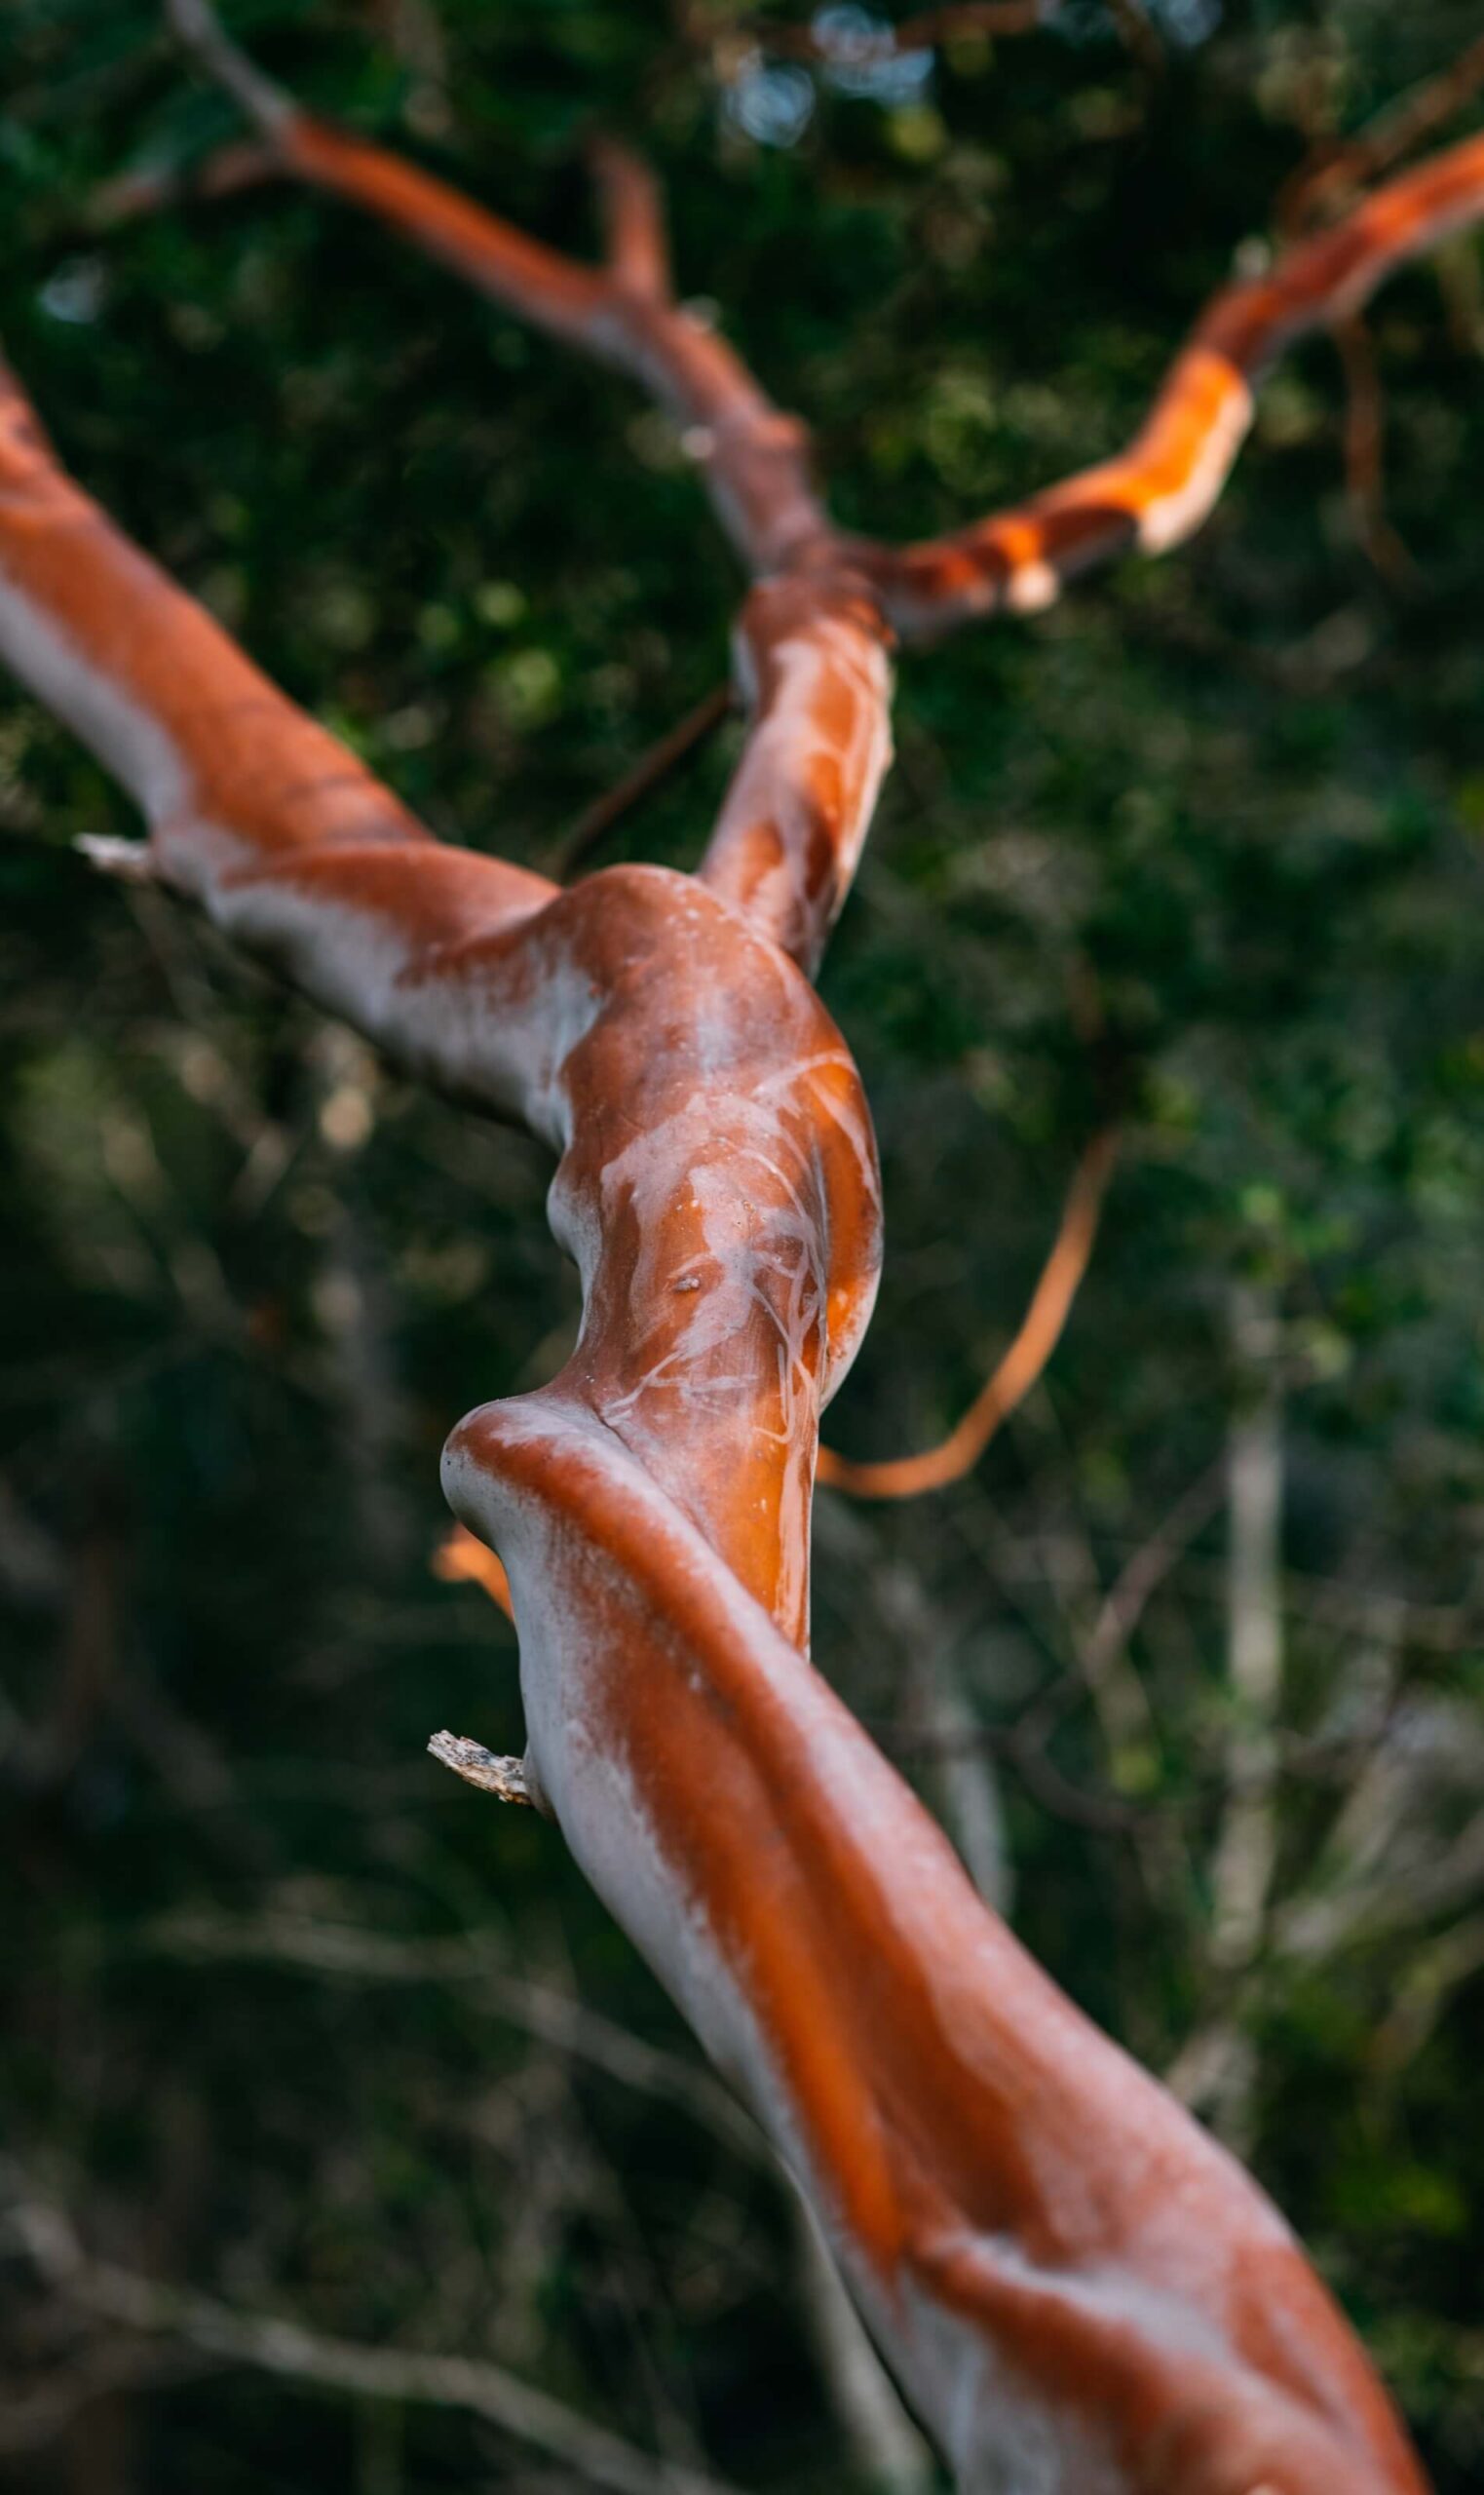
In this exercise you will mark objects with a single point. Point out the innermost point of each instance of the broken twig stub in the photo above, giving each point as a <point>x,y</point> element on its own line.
<point>504,1777</point>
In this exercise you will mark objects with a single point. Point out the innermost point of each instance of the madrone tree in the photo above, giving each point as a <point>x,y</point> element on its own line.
<point>1077,2287</point>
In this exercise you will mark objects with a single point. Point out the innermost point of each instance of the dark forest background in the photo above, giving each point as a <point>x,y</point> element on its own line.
<point>295,2025</point>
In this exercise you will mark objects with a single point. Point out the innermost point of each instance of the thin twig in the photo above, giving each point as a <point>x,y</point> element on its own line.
<point>237,167</point>
<point>1364,443</point>
<point>271,2343</point>
<point>1143,1573</point>
<point>196,25</point>
<point>908,1476</point>
<point>633,220</point>
<point>664,756</point>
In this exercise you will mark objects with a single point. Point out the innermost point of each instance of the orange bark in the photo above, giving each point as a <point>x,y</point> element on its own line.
<point>1082,2292</point>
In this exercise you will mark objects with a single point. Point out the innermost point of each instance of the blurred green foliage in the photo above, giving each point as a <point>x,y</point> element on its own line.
<point>1202,844</point>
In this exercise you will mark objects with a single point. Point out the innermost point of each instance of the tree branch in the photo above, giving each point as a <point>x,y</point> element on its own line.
<point>665,756</point>
<point>271,2343</point>
<point>754,459</point>
<point>909,1476</point>
<point>811,647</point>
<point>633,223</point>
<point>1152,496</point>
<point>811,656</point>
<point>255,812</point>
<point>1160,490</point>
<point>995,2176</point>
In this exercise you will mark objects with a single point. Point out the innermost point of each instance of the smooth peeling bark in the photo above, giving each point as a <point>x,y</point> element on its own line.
<point>1080,2289</point>
<point>236,783</point>
<point>953,2119</point>
<point>718,1186</point>
<point>811,660</point>
<point>718,1190</point>
<point>1076,2285</point>
<point>1084,2293</point>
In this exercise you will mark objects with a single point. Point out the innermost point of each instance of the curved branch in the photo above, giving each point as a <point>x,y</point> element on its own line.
<point>754,459</point>
<point>909,1476</point>
<point>1160,490</point>
<point>255,811</point>
<point>1069,2274</point>
<point>811,647</point>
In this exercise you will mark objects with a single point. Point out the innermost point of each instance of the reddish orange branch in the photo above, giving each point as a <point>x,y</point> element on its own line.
<point>1162,489</point>
<point>1072,2282</point>
<point>633,220</point>
<point>811,648</point>
<point>812,661</point>
<point>909,1476</point>
<point>754,459</point>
